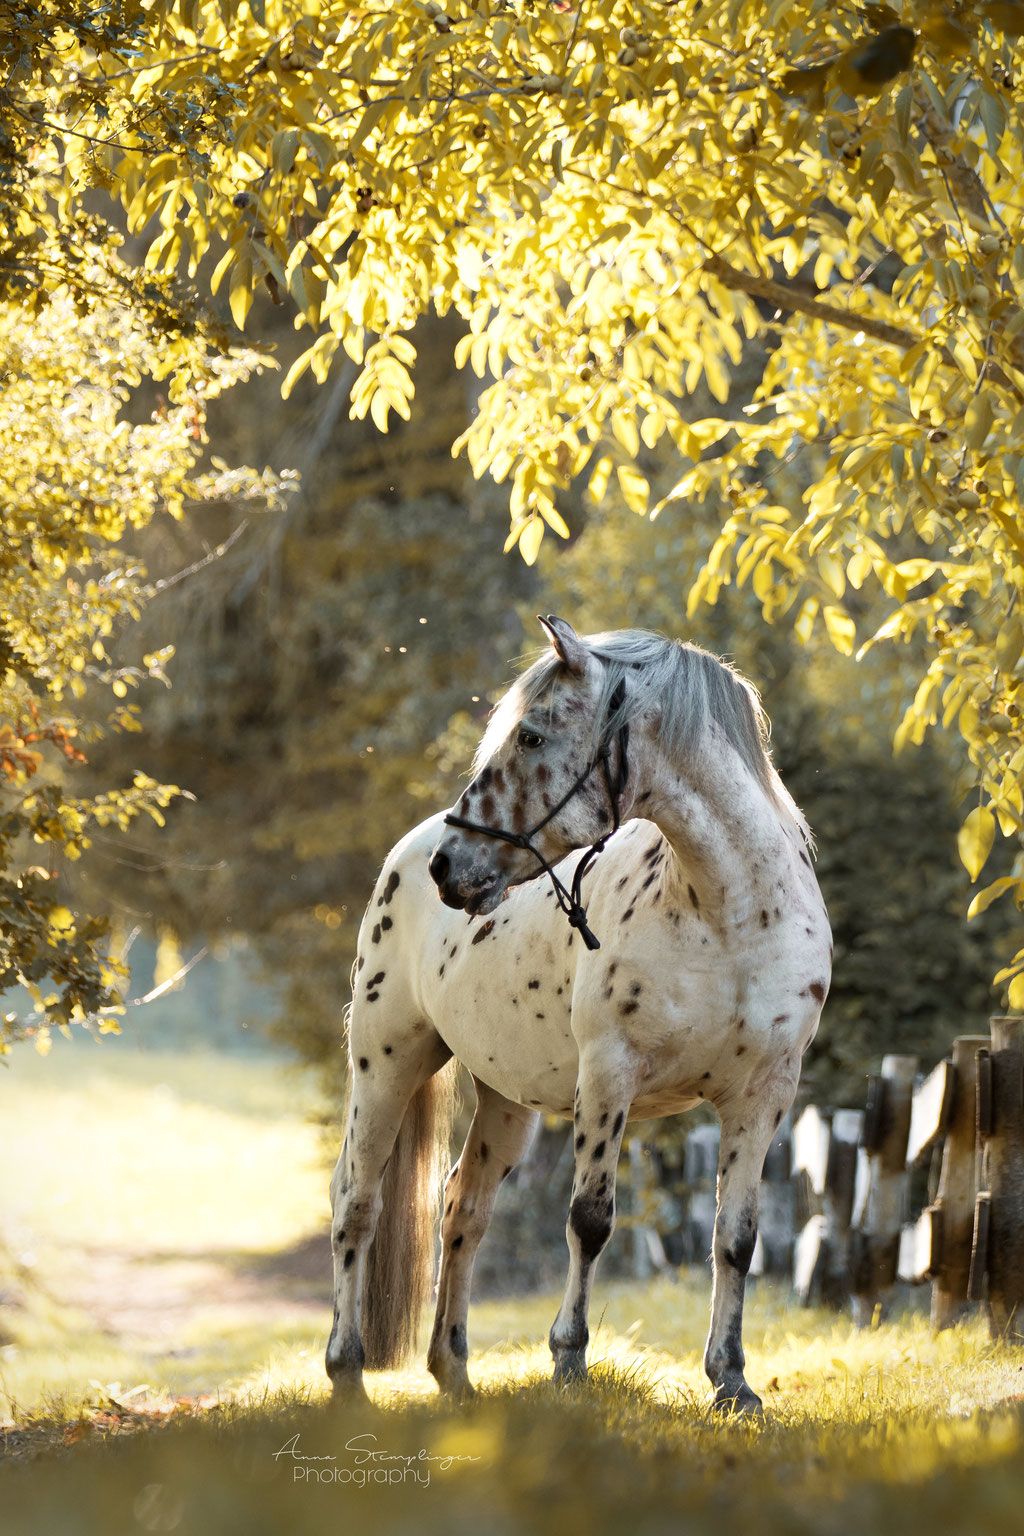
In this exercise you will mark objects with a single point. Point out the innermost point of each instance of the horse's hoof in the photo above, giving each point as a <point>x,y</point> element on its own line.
<point>570,1366</point>
<point>348,1391</point>
<point>739,1400</point>
<point>453,1387</point>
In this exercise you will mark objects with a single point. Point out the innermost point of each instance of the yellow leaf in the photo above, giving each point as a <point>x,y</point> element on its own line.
<point>634,487</point>
<point>1016,994</point>
<point>841,629</point>
<point>984,899</point>
<point>975,838</point>
<point>530,539</point>
<point>241,289</point>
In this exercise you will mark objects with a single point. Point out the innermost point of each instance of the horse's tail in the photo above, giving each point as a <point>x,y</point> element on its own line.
<point>400,1264</point>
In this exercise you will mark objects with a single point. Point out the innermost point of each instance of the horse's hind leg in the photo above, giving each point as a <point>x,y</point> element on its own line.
<point>747,1132</point>
<point>498,1138</point>
<point>393,1055</point>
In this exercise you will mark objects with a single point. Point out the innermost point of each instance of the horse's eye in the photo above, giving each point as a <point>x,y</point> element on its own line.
<point>527,738</point>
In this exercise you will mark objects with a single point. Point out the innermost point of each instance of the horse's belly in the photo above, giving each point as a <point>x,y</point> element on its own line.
<point>504,1007</point>
<point>531,1061</point>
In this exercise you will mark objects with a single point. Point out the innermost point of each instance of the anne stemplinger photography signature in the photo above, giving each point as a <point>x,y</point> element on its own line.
<point>368,1463</point>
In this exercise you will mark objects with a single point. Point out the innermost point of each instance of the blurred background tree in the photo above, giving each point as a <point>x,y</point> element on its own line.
<point>83,465</point>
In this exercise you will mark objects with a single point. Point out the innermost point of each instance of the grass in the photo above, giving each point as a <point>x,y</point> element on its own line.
<point>160,1349</point>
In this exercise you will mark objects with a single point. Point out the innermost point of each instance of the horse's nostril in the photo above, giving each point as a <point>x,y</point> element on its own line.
<point>439,867</point>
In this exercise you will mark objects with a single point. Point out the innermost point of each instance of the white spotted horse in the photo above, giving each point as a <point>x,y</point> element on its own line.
<point>695,973</point>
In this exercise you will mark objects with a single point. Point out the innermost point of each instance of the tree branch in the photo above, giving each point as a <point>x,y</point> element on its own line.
<point>804,300</point>
<point>800,299</point>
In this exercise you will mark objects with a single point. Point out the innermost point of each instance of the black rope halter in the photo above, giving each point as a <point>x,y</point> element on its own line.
<point>570,898</point>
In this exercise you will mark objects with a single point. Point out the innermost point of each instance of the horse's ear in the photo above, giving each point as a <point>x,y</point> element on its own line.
<point>565,642</point>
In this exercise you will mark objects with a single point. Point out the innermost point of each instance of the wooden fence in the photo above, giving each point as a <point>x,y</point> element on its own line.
<point>925,1185</point>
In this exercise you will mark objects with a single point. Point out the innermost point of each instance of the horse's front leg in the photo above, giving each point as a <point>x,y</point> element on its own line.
<point>746,1136</point>
<point>603,1096</point>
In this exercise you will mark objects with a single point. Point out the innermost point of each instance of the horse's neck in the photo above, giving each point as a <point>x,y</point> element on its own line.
<point>726,834</point>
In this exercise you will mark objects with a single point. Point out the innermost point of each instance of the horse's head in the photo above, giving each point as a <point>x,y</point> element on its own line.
<point>549,767</point>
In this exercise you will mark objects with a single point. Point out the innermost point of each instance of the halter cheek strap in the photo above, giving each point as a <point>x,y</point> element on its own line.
<point>570,898</point>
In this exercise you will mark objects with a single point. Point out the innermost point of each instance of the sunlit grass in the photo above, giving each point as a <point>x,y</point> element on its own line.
<point>202,1166</point>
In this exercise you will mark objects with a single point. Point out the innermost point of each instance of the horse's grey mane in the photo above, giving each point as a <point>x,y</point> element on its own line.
<point>691,687</point>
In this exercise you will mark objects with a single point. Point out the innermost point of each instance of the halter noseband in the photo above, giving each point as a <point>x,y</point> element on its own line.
<point>569,899</point>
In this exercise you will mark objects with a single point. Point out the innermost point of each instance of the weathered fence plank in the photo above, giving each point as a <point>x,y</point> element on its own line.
<point>825,1153</point>
<point>881,1194</point>
<point>1003,1178</point>
<point>958,1187</point>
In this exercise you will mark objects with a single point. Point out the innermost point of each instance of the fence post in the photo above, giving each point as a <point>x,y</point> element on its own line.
<point>700,1173</point>
<point>825,1151</point>
<point>958,1187</point>
<point>773,1251</point>
<point>881,1193</point>
<point>1001,1130</point>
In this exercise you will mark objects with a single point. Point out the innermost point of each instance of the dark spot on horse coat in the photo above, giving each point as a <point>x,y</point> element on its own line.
<point>371,997</point>
<point>339,1237</point>
<point>533,985</point>
<point>458,1341</point>
<point>590,1220</point>
<point>780,1018</point>
<point>650,879</point>
<point>739,1255</point>
<point>817,989</point>
<point>764,918</point>
<point>733,1155</point>
<point>694,900</point>
<point>740,1049</point>
<point>350,1254</point>
<point>392,886</point>
<point>457,1241</point>
<point>619,1122</point>
<point>622,882</point>
<point>581,1142</point>
<point>482,933</point>
<point>604,1118</point>
<point>485,1151</point>
<point>375,981</point>
<point>598,1152</point>
<point>387,1050</point>
<point>630,1007</point>
<point>360,963</point>
<point>635,989</point>
<point>441,971</point>
<point>627,914</point>
<point>386,923</point>
<point>375,935</point>
<point>363,1063</point>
